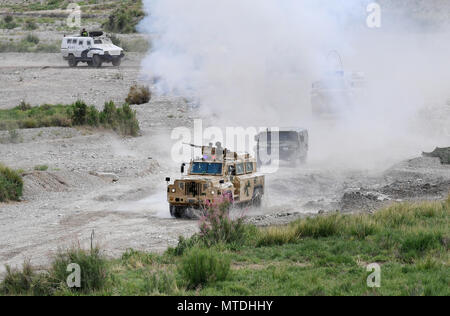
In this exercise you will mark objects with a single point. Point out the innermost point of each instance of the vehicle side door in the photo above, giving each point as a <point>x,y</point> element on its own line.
<point>81,47</point>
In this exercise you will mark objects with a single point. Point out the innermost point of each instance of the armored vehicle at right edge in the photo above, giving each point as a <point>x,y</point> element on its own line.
<point>337,93</point>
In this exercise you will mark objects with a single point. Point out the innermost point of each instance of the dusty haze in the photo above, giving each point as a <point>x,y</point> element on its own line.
<point>252,63</point>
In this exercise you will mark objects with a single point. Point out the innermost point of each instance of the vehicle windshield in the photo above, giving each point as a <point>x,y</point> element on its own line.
<point>282,137</point>
<point>102,41</point>
<point>206,168</point>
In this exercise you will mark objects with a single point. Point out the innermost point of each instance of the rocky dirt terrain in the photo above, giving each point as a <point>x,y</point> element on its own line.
<point>45,78</point>
<point>99,182</point>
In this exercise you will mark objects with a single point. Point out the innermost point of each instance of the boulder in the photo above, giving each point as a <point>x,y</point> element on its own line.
<point>442,153</point>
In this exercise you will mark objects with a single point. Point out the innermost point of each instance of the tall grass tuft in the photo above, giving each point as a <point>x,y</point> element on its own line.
<point>272,236</point>
<point>11,184</point>
<point>25,282</point>
<point>201,266</point>
<point>417,244</point>
<point>321,226</point>
<point>17,282</point>
<point>361,226</point>
<point>217,226</point>
<point>92,263</point>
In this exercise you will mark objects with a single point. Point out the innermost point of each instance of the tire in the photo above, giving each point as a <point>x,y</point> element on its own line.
<point>72,61</point>
<point>257,198</point>
<point>178,211</point>
<point>90,63</point>
<point>96,61</point>
<point>116,61</point>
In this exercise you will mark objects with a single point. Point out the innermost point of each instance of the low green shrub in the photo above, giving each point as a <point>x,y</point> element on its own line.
<point>184,244</point>
<point>138,95</point>
<point>136,259</point>
<point>201,266</point>
<point>275,235</point>
<point>30,25</point>
<point>41,168</point>
<point>28,45</point>
<point>93,266</point>
<point>24,106</point>
<point>25,282</point>
<point>160,283</point>
<point>92,117</point>
<point>79,116</point>
<point>30,38</point>
<point>16,281</point>
<point>8,22</point>
<point>11,184</point>
<point>361,226</point>
<point>122,119</point>
<point>124,19</point>
<point>216,226</point>
<point>416,245</point>
<point>320,226</point>
<point>14,137</point>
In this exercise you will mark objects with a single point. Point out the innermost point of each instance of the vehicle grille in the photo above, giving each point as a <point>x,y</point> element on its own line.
<point>192,188</point>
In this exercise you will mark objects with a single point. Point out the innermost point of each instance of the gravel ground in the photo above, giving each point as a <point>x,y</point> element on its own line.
<point>45,78</point>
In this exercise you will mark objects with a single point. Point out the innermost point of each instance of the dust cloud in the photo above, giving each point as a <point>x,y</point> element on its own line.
<point>253,62</point>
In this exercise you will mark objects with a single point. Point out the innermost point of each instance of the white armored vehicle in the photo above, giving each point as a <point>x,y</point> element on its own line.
<point>93,49</point>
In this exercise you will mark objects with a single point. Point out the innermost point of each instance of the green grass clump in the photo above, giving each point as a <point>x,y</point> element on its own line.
<point>125,18</point>
<point>416,245</point>
<point>277,235</point>
<point>29,44</point>
<point>8,22</point>
<point>11,184</point>
<point>201,266</point>
<point>25,282</point>
<point>121,119</point>
<point>41,168</point>
<point>93,266</point>
<point>138,95</point>
<point>33,39</point>
<point>321,226</point>
<point>218,228</point>
<point>30,25</point>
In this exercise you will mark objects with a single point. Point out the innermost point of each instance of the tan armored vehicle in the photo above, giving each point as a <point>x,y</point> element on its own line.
<point>217,174</point>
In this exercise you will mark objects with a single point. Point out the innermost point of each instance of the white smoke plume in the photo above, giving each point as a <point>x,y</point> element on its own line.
<point>252,62</point>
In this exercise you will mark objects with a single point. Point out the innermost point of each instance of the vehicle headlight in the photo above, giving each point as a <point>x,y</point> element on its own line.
<point>173,190</point>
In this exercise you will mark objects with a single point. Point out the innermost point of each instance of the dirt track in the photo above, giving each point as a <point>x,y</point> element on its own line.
<point>66,203</point>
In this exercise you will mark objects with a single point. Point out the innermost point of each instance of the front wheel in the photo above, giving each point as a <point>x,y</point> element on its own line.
<point>116,61</point>
<point>96,61</point>
<point>72,61</point>
<point>257,198</point>
<point>178,211</point>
